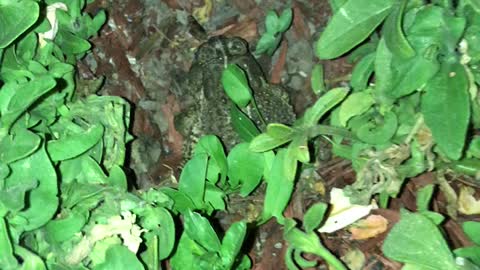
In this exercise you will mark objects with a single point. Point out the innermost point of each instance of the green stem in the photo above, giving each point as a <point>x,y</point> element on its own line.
<point>318,130</point>
<point>330,259</point>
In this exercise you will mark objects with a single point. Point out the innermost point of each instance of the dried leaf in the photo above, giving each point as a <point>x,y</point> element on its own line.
<point>370,227</point>
<point>467,204</point>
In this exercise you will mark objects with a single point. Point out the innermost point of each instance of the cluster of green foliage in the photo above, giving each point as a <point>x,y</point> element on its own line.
<point>414,103</point>
<point>64,197</point>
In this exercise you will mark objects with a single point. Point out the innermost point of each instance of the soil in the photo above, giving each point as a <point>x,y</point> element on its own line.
<point>147,47</point>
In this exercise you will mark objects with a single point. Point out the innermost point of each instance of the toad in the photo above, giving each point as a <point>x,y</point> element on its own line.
<point>206,107</point>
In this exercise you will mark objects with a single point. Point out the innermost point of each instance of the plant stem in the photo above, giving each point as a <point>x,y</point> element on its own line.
<point>331,259</point>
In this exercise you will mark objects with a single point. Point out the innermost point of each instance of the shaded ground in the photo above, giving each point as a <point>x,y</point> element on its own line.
<point>147,47</point>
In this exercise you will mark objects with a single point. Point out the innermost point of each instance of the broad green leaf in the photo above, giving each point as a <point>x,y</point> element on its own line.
<point>119,257</point>
<point>265,142</point>
<point>25,95</point>
<point>117,178</point>
<point>43,200</point>
<point>20,144</point>
<point>7,259</point>
<point>383,72</point>
<point>362,72</point>
<point>280,131</point>
<point>192,179</point>
<point>232,243</point>
<point>186,254</point>
<point>355,104</point>
<point>245,167</point>
<point>434,26</point>
<point>271,22</point>
<point>159,222</point>
<point>472,253</point>
<point>66,227</point>
<point>17,17</point>
<point>182,201</point>
<point>30,259</point>
<point>414,73</point>
<point>199,229</point>
<point>214,198</point>
<point>393,33</point>
<point>472,230</point>
<point>268,43</point>
<point>244,127</point>
<point>416,240</point>
<point>285,20</point>
<point>314,216</point>
<point>424,195</point>
<point>75,144</point>
<point>306,242</point>
<point>446,109</point>
<point>70,43</point>
<point>279,189</point>
<point>317,80</point>
<point>323,105</point>
<point>211,146</point>
<point>379,133</point>
<point>336,4</point>
<point>350,25</point>
<point>235,83</point>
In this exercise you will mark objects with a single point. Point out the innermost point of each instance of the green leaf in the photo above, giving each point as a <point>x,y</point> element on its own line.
<point>446,109</point>
<point>119,257</point>
<point>285,20</point>
<point>336,4</point>
<point>393,33</point>
<point>160,223</point>
<point>350,25</point>
<point>416,240</point>
<point>383,71</point>
<point>279,189</point>
<point>245,167</point>
<point>117,178</point>
<point>244,127</point>
<point>199,229</point>
<point>280,131</point>
<point>379,133</point>
<point>25,95</point>
<point>70,43</point>
<point>66,227</point>
<point>43,200</point>
<point>362,72</point>
<point>271,22</point>
<point>326,102</point>
<point>317,81</point>
<point>7,259</point>
<point>357,103</point>
<point>314,216</point>
<point>265,142</point>
<point>75,144</point>
<point>307,242</point>
<point>17,17</point>
<point>192,179</point>
<point>414,73</point>
<point>435,26</point>
<point>18,145</point>
<point>424,195</point>
<point>235,83</point>
<point>232,243</point>
<point>472,230</point>
<point>472,253</point>
<point>211,146</point>
<point>268,43</point>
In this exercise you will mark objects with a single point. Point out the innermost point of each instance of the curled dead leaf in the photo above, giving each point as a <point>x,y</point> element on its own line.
<point>467,204</point>
<point>370,227</point>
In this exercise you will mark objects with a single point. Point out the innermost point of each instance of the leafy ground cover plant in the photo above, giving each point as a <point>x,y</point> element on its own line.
<point>62,154</point>
<point>414,104</point>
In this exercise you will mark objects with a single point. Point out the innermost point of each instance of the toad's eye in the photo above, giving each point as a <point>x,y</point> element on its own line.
<point>237,46</point>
